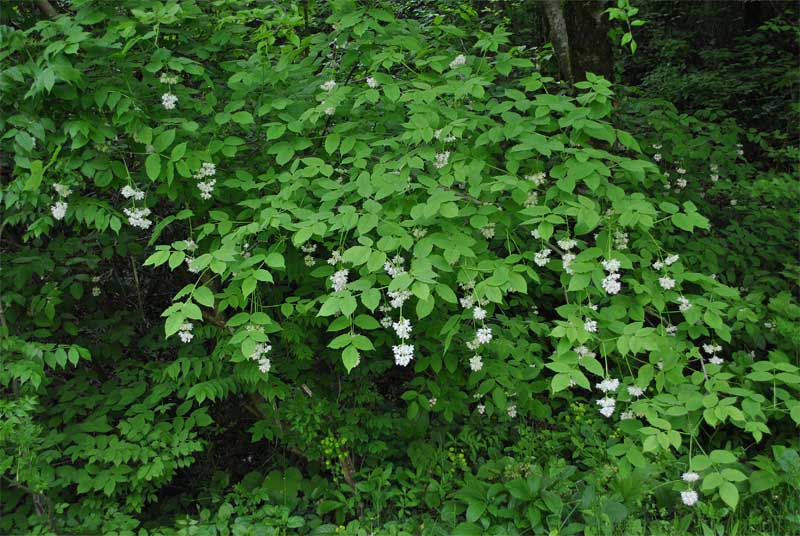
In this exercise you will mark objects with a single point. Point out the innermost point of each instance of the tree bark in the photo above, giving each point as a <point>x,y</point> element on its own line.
<point>579,32</point>
<point>47,8</point>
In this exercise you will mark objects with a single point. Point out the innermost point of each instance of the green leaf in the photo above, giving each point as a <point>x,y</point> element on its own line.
<point>729,494</point>
<point>203,296</point>
<point>332,142</point>
<point>163,140</point>
<point>350,358</point>
<point>153,166</point>
<point>243,118</point>
<point>35,178</point>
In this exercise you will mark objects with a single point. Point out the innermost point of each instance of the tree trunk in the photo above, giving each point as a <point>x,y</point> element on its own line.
<point>579,31</point>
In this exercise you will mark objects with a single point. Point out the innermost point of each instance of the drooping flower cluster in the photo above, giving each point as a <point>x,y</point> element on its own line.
<point>62,190</point>
<point>442,159</point>
<point>403,354</point>
<point>538,179</point>
<point>542,257</point>
<point>609,384</point>
<point>395,267</point>
<point>488,231</point>
<point>137,217</point>
<point>130,192</point>
<point>339,280</point>
<point>168,100</point>
<point>447,139</point>
<point>59,209</point>
<point>635,391</point>
<point>607,406</point>
<point>669,261</point>
<point>611,282</point>
<point>684,304</point>
<point>476,363</point>
<point>713,350</point>
<point>458,61</point>
<point>168,79</point>
<point>206,187</point>
<point>259,355</point>
<point>398,297</point>
<point>185,332</point>
<point>402,328</point>
<point>328,86</point>
<point>590,325</point>
<point>666,282</point>
<point>621,240</point>
<point>372,83</point>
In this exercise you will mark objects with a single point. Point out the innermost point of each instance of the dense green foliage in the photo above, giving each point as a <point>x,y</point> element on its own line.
<point>272,268</point>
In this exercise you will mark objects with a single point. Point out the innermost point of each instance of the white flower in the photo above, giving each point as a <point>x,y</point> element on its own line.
<point>538,179</point>
<point>432,401</point>
<point>458,61</point>
<point>386,322</point>
<point>535,234</point>
<point>656,146</point>
<point>59,210</point>
<point>62,190</point>
<point>206,188</point>
<point>339,280</point>
<point>657,157</point>
<point>186,336</point>
<point>626,415</point>
<point>620,240</point>
<point>137,217</point>
<point>684,304</point>
<point>733,202</point>
<point>658,265</point>
<point>478,313</point>
<point>691,476</point>
<point>95,291</point>
<point>191,246</point>
<point>666,283</point>
<point>264,365</point>
<point>394,267</point>
<point>689,497</point>
<point>467,302</point>
<point>403,328</point>
<point>335,258</point>
<point>716,360</point>
<point>512,410</point>
<point>398,298</point>
<point>607,406</point>
<point>567,243</point>
<point>371,82</point>
<point>328,86</point>
<point>403,354</point>
<point>611,265</point>
<point>481,409</point>
<point>168,100</point>
<point>714,177</point>
<point>168,79</point>
<point>488,231</point>
<point>680,171</point>
<point>483,335</point>
<point>542,257</point>
<point>681,183</point>
<point>635,391</point>
<point>590,325</point>
<point>330,110</point>
<point>566,260</point>
<point>611,284</point>
<point>476,363</point>
<point>609,384</point>
<point>441,159</point>
<point>128,192</point>
<point>672,259</point>
<point>190,265</point>
<point>532,200</point>
<point>309,260</point>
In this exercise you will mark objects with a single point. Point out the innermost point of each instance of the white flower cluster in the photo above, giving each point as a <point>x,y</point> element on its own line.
<point>609,384</point>
<point>403,354</point>
<point>476,363</point>
<point>669,261</point>
<point>532,200</point>
<point>607,406</point>
<point>330,110</point>
<point>168,100</point>
<point>372,83</point>
<point>335,258</point>
<point>538,179</point>
<point>590,325</point>
<point>583,352</point>
<point>339,280</point>
<point>611,282</point>
<point>259,354</point>
<point>137,217</point>
<point>185,332</point>
<point>488,231</point>
<point>512,410</point>
<point>666,282</point>
<point>690,497</point>
<point>168,79</point>
<point>128,192</point>
<point>566,260</point>
<point>620,240</point>
<point>542,257</point>
<point>59,210</point>
<point>657,157</point>
<point>206,187</point>
<point>447,139</point>
<point>441,159</point>
<point>713,350</point>
<point>328,86</point>
<point>398,297</point>
<point>567,243</point>
<point>62,190</point>
<point>635,391</point>
<point>402,328</point>
<point>684,304</point>
<point>458,61</point>
<point>395,267</point>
